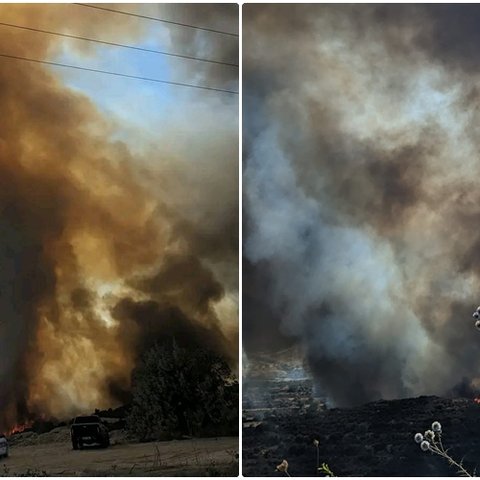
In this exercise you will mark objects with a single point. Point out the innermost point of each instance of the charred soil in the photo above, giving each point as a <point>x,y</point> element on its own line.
<point>375,439</point>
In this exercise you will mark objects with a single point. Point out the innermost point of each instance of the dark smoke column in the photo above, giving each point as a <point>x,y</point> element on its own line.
<point>354,150</point>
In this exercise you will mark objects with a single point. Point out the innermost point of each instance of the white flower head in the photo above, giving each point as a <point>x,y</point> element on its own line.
<point>430,435</point>
<point>477,324</point>
<point>418,438</point>
<point>425,446</point>
<point>436,427</point>
<point>476,315</point>
<point>478,309</point>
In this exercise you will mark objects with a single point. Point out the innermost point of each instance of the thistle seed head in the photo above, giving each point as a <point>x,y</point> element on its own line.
<point>425,446</point>
<point>429,435</point>
<point>436,427</point>
<point>418,438</point>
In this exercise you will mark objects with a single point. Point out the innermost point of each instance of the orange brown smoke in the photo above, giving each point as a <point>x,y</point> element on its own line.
<point>94,264</point>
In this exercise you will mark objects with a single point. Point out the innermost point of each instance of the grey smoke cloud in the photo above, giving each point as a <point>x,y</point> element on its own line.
<point>199,43</point>
<point>361,208</point>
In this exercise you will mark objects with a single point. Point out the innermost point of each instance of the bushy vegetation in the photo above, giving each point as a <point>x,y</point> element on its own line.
<point>179,392</point>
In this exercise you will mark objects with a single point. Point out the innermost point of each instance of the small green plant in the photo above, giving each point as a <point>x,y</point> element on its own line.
<point>431,441</point>
<point>325,469</point>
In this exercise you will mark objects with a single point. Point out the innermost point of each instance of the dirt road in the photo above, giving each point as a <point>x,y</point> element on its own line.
<point>208,456</point>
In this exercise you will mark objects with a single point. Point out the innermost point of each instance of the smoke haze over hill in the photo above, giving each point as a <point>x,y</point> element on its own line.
<point>361,199</point>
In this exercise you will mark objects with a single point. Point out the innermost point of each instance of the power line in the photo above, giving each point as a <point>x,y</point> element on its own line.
<point>132,47</point>
<point>117,74</point>
<point>211,30</point>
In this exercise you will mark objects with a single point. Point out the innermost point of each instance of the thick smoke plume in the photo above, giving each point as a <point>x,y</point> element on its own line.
<point>102,252</point>
<point>361,195</point>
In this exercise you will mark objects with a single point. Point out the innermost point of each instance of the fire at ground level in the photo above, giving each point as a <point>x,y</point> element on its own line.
<point>44,447</point>
<point>282,418</point>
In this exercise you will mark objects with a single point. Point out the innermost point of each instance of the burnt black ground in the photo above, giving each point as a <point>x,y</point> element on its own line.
<point>375,439</point>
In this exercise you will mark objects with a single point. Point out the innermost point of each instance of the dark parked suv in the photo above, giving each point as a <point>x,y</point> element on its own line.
<point>88,430</point>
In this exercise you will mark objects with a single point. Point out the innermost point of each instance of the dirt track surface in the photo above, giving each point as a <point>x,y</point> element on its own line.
<point>199,457</point>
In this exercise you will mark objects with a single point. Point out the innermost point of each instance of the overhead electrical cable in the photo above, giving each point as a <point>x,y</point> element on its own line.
<point>114,44</point>
<point>156,19</point>
<point>118,74</point>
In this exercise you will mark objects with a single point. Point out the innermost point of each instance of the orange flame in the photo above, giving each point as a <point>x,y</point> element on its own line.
<point>19,428</point>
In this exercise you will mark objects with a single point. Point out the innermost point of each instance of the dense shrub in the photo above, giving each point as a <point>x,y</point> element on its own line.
<point>182,392</point>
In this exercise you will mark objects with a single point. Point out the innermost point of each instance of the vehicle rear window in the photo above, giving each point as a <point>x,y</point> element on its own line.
<point>89,419</point>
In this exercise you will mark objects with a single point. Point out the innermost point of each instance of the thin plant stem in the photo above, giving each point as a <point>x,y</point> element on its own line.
<point>435,449</point>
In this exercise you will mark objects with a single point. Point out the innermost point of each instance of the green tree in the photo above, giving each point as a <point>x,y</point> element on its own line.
<point>182,392</point>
